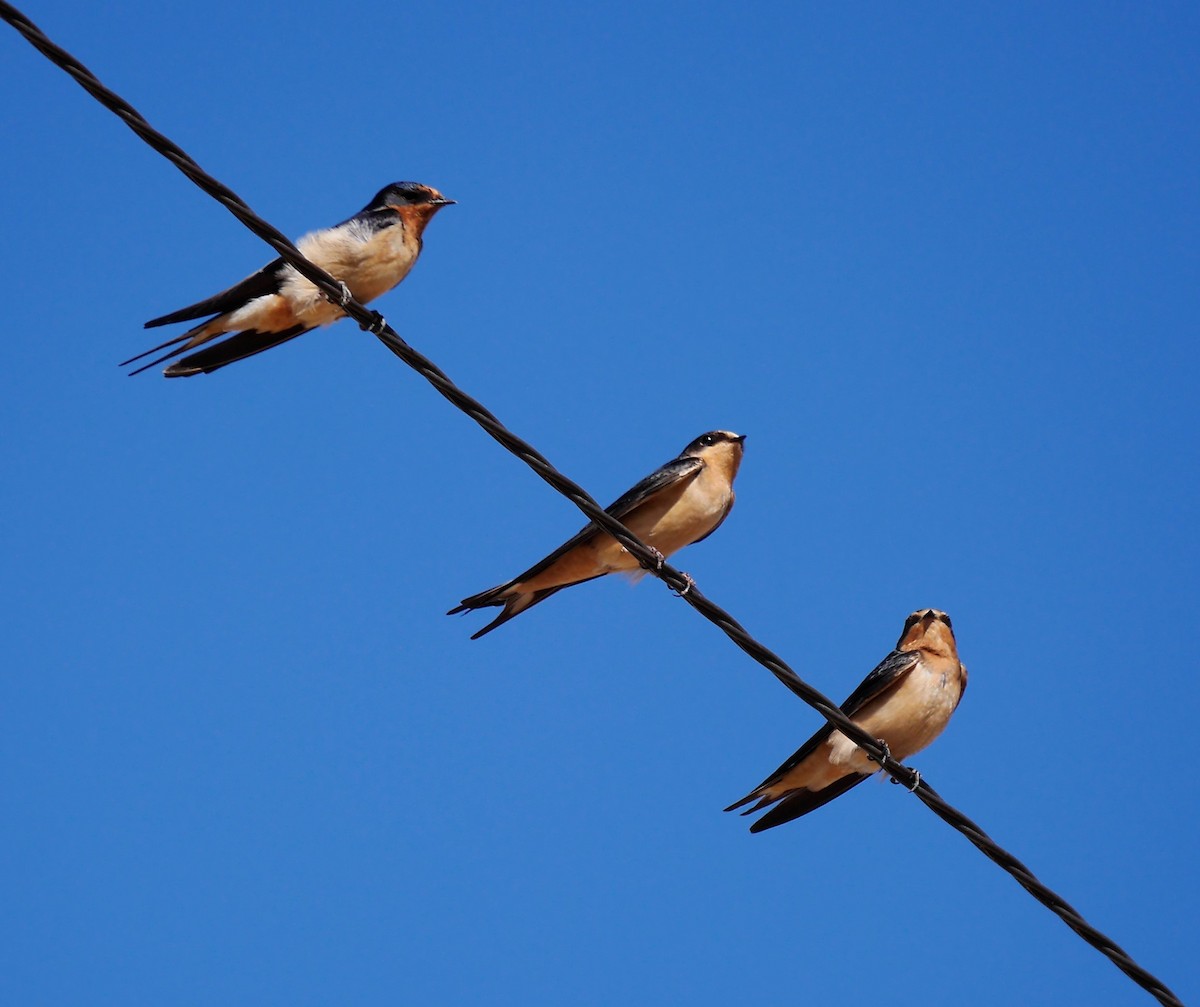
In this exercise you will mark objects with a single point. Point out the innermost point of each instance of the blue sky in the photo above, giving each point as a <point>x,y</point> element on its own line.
<point>940,264</point>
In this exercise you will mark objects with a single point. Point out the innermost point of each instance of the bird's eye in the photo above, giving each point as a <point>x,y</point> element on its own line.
<point>708,440</point>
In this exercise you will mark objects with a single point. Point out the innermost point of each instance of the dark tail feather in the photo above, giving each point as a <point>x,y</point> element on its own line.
<point>801,802</point>
<point>500,620</point>
<point>155,349</point>
<point>265,281</point>
<point>237,347</point>
<point>762,803</point>
<point>158,360</point>
<point>486,599</point>
<point>183,315</point>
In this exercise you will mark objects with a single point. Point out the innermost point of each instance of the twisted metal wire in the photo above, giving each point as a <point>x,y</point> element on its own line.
<point>649,559</point>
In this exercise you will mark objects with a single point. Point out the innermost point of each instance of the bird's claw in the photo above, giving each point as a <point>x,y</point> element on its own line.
<point>343,298</point>
<point>911,788</point>
<point>659,558</point>
<point>688,584</point>
<point>887,753</point>
<point>377,324</point>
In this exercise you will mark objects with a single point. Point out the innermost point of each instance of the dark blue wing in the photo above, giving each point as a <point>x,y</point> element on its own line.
<point>265,281</point>
<point>885,675</point>
<point>801,802</point>
<point>673,472</point>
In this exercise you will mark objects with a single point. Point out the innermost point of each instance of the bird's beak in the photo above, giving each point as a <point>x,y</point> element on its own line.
<point>443,202</point>
<point>741,440</point>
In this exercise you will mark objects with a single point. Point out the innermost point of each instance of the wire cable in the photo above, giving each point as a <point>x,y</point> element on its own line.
<point>649,559</point>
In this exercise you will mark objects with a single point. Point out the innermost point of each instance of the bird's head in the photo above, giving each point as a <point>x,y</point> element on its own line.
<point>719,448</point>
<point>928,629</point>
<point>408,197</point>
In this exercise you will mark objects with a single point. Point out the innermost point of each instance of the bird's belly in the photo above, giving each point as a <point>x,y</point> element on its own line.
<point>908,719</point>
<point>666,526</point>
<point>581,563</point>
<point>380,267</point>
<point>674,518</point>
<point>368,267</point>
<point>300,303</point>
<point>673,523</point>
<point>292,306</point>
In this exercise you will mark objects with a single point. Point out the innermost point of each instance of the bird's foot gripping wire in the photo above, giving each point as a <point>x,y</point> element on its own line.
<point>376,326</point>
<point>659,558</point>
<point>343,298</point>
<point>910,787</point>
<point>887,753</point>
<point>688,584</point>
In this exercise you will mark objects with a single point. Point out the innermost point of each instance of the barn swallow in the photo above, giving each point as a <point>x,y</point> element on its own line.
<point>906,702</point>
<point>370,253</point>
<point>683,502</point>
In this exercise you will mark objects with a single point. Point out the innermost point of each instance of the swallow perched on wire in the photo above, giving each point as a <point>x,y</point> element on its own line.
<point>683,502</point>
<point>906,702</point>
<point>369,253</point>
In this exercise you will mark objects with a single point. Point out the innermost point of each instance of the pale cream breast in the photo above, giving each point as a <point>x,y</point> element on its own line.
<point>674,518</point>
<point>909,718</point>
<point>696,511</point>
<point>370,264</point>
<point>671,519</point>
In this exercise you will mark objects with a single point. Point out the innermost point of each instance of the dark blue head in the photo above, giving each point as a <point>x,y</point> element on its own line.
<point>711,440</point>
<point>400,194</point>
